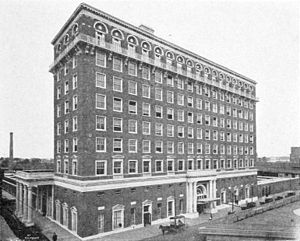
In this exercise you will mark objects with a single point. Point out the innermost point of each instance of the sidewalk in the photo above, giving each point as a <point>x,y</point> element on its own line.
<point>5,232</point>
<point>48,228</point>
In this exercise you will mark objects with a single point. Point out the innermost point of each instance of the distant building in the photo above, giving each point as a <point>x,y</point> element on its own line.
<point>144,130</point>
<point>295,155</point>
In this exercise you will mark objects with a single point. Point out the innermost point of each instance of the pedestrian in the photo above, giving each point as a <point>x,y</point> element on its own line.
<point>211,216</point>
<point>54,237</point>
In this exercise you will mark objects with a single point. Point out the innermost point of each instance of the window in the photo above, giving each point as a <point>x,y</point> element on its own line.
<point>132,167</point>
<point>74,81</point>
<point>199,148</point>
<point>117,124</point>
<point>190,117</point>
<point>132,126</point>
<point>117,104</point>
<point>198,89</point>
<point>132,69</point>
<point>180,165</point>
<point>170,81</point>
<point>146,146</point>
<point>158,129</point>
<point>101,59</point>
<point>215,121</point>
<point>100,123</point>
<point>58,129</point>
<point>117,166</point>
<point>207,134</point>
<point>215,108</point>
<point>67,107</point>
<point>58,111</point>
<point>198,104</point>
<point>74,219</point>
<point>215,149</point>
<point>65,215</point>
<point>117,84</point>
<point>101,223</point>
<point>180,148</point>
<point>180,131</point>
<point>222,123</point>
<point>215,135</point>
<point>180,84</point>
<point>158,111</point>
<point>132,146</point>
<point>199,133</point>
<point>100,101</point>
<point>180,99</point>
<point>190,165</point>
<point>100,144</point>
<point>75,102</point>
<point>170,130</point>
<point>207,105</point>
<point>118,218</point>
<point>146,91</point>
<point>158,146</point>
<point>207,120</point>
<point>158,76</point>
<point>170,97</point>
<point>66,69</point>
<point>190,101</point>
<point>146,166</point>
<point>228,110</point>
<point>58,146</point>
<point>74,62</point>
<point>146,109</point>
<point>222,149</point>
<point>118,145</point>
<point>74,167</point>
<point>132,107</point>
<point>199,118</point>
<point>146,128</point>
<point>228,136</point>
<point>145,72</point>
<point>170,147</point>
<point>207,148</point>
<point>190,132</point>
<point>132,87</point>
<point>190,148</point>
<point>75,144</point>
<point>158,94</point>
<point>190,86</point>
<point>228,150</point>
<point>228,124</point>
<point>100,167</point>
<point>170,163</point>
<point>180,115</point>
<point>66,126</point>
<point>66,166</point>
<point>100,80</point>
<point>66,145</point>
<point>117,64</point>
<point>58,166</point>
<point>158,166</point>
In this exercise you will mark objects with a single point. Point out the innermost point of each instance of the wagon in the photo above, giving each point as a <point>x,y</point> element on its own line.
<point>177,224</point>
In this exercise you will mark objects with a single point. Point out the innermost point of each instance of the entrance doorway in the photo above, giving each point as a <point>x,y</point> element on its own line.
<point>147,215</point>
<point>200,207</point>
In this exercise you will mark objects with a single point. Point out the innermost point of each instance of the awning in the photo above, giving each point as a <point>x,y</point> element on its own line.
<point>207,200</point>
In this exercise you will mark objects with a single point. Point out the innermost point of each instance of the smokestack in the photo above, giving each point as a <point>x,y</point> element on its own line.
<point>11,146</point>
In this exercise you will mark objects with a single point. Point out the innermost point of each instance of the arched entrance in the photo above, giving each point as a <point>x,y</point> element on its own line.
<point>147,212</point>
<point>201,196</point>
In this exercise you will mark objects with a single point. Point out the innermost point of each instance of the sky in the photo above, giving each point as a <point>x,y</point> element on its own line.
<point>258,39</point>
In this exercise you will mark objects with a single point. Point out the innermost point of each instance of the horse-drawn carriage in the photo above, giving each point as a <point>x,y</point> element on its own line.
<point>177,224</point>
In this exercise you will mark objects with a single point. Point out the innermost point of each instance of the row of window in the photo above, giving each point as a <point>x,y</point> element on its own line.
<point>64,219</point>
<point>158,166</point>
<point>146,109</point>
<point>159,145</point>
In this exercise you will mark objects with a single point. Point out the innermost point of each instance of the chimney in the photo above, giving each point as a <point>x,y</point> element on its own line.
<point>11,147</point>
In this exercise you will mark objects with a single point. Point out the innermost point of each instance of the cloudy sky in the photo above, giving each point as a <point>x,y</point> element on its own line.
<point>259,39</point>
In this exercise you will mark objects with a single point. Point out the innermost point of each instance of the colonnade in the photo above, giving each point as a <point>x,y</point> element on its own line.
<point>24,203</point>
<point>192,196</point>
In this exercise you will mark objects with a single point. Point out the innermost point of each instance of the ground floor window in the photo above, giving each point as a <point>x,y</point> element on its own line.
<point>170,206</point>
<point>132,216</point>
<point>74,219</point>
<point>65,215</point>
<point>118,217</point>
<point>100,223</point>
<point>57,210</point>
<point>223,197</point>
<point>159,210</point>
<point>181,206</point>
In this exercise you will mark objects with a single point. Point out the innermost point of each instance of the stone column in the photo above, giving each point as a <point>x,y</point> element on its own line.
<point>52,211</point>
<point>191,197</point>
<point>187,197</point>
<point>195,197</point>
<point>37,198</point>
<point>20,200</point>
<point>29,207</point>
<point>25,205</point>
<point>17,199</point>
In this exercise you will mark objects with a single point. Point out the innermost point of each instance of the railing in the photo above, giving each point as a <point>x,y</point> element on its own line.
<point>35,175</point>
<point>142,57</point>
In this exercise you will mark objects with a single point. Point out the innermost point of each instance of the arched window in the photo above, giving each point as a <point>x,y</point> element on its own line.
<point>66,39</point>
<point>190,63</point>
<point>57,211</point>
<point>100,27</point>
<point>169,57</point>
<point>75,29</point>
<point>180,59</point>
<point>201,192</point>
<point>170,206</point>
<point>158,52</point>
<point>116,33</point>
<point>146,47</point>
<point>65,215</point>
<point>198,67</point>
<point>74,219</point>
<point>58,48</point>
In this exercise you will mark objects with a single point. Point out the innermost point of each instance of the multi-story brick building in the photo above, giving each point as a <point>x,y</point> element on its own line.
<point>144,130</point>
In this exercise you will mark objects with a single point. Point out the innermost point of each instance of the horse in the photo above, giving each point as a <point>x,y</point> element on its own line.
<point>164,228</point>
